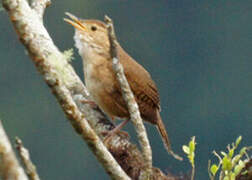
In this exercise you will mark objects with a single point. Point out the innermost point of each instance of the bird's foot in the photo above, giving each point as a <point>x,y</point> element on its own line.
<point>91,103</point>
<point>108,135</point>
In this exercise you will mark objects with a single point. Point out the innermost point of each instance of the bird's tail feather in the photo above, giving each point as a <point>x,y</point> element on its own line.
<point>165,138</point>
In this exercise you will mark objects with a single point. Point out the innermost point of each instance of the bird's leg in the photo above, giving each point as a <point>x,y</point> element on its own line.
<point>115,130</point>
<point>90,102</point>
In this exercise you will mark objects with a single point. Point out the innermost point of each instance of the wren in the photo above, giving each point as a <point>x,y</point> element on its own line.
<point>92,41</point>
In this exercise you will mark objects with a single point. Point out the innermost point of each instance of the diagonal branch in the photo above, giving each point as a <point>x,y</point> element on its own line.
<point>30,168</point>
<point>129,99</point>
<point>10,169</point>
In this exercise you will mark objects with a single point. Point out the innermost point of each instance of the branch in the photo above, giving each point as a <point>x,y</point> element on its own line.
<point>51,63</point>
<point>30,168</point>
<point>129,98</point>
<point>10,169</point>
<point>39,6</point>
<point>70,93</point>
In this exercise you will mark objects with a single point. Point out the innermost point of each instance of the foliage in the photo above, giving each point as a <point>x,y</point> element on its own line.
<point>190,151</point>
<point>230,165</point>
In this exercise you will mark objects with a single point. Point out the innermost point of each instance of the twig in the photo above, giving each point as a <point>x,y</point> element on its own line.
<point>193,173</point>
<point>30,168</point>
<point>129,97</point>
<point>52,64</point>
<point>10,169</point>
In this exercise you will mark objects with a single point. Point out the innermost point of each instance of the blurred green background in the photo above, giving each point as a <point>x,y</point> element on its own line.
<point>198,52</point>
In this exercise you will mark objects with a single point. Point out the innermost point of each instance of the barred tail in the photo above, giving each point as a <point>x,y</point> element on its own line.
<point>161,128</point>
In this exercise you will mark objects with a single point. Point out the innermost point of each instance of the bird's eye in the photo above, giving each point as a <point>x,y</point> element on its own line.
<point>93,28</point>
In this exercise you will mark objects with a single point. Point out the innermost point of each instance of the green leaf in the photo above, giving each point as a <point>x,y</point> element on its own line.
<point>235,159</point>
<point>226,164</point>
<point>239,167</point>
<point>223,153</point>
<point>245,172</point>
<point>214,168</point>
<point>232,176</point>
<point>231,153</point>
<point>191,157</point>
<point>186,149</point>
<point>226,178</point>
<point>238,140</point>
<point>192,144</point>
<point>243,150</point>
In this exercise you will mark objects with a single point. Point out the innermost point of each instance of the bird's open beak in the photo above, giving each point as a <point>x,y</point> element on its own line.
<point>75,22</point>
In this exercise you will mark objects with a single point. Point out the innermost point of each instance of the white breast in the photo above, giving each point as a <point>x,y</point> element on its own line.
<point>92,81</point>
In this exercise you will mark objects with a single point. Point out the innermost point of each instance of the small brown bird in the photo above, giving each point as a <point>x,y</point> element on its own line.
<point>91,39</point>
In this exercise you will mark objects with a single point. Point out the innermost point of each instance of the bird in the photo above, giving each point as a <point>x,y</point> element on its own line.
<point>92,41</point>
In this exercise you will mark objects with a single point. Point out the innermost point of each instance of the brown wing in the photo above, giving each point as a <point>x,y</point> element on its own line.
<point>142,85</point>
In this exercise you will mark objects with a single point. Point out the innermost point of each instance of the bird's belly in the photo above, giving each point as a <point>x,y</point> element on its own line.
<point>100,84</point>
<point>94,82</point>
